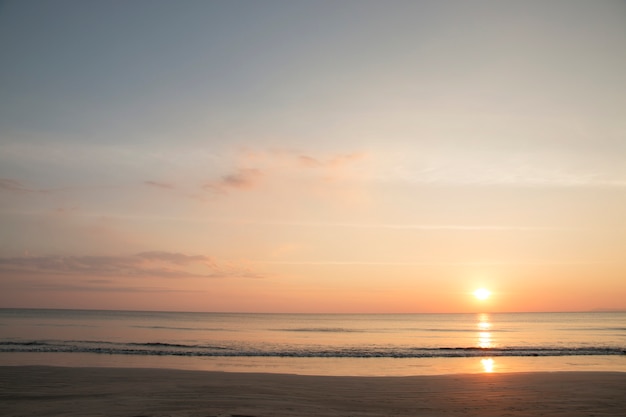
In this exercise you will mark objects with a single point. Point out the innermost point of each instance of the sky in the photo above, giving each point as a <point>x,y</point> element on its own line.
<point>313,156</point>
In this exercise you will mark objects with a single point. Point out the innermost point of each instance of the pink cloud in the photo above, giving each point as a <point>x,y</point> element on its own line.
<point>279,168</point>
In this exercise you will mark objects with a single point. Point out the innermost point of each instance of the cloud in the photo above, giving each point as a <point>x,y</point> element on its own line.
<point>333,161</point>
<point>154,264</point>
<point>281,159</point>
<point>15,186</point>
<point>419,227</point>
<point>517,178</point>
<point>162,185</point>
<point>497,168</point>
<point>177,258</point>
<point>242,179</point>
<point>277,165</point>
<point>309,161</point>
<point>273,169</point>
<point>91,286</point>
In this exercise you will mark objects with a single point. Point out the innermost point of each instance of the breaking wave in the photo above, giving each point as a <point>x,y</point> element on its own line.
<point>192,350</point>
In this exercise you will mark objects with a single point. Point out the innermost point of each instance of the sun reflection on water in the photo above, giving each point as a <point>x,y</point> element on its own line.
<point>484,340</point>
<point>484,336</point>
<point>487,364</point>
<point>484,325</point>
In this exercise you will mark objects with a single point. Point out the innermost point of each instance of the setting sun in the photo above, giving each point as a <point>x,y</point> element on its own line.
<point>482,293</point>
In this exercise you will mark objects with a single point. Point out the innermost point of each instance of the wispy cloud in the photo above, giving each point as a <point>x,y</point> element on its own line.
<point>154,264</point>
<point>483,168</point>
<point>516,178</point>
<point>14,186</point>
<point>278,169</point>
<point>435,263</point>
<point>332,161</point>
<point>177,258</point>
<point>92,286</point>
<point>242,179</point>
<point>158,184</point>
<point>412,226</point>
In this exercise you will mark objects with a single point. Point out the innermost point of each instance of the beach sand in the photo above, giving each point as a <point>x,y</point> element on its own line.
<point>56,391</point>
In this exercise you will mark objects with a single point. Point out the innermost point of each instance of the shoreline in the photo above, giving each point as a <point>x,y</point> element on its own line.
<point>74,391</point>
<point>368,367</point>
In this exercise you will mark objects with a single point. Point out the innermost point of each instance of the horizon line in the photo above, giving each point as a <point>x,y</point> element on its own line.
<point>594,310</point>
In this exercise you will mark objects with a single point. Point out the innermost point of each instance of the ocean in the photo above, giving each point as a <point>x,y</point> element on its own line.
<point>325,344</point>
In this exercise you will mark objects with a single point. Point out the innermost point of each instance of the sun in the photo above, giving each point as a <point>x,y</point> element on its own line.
<point>482,293</point>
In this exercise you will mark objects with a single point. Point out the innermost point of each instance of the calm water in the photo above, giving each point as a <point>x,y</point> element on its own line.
<point>323,344</point>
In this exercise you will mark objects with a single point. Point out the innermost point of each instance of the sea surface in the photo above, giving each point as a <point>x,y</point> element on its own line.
<point>328,344</point>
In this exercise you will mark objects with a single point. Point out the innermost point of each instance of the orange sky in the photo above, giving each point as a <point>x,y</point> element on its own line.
<point>318,157</point>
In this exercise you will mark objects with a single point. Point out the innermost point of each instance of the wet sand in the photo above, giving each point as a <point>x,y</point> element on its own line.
<point>58,391</point>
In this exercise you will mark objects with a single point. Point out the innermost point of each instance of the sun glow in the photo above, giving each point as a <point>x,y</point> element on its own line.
<point>482,293</point>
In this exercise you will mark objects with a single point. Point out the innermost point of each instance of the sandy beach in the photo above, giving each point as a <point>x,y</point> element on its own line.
<point>55,391</point>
